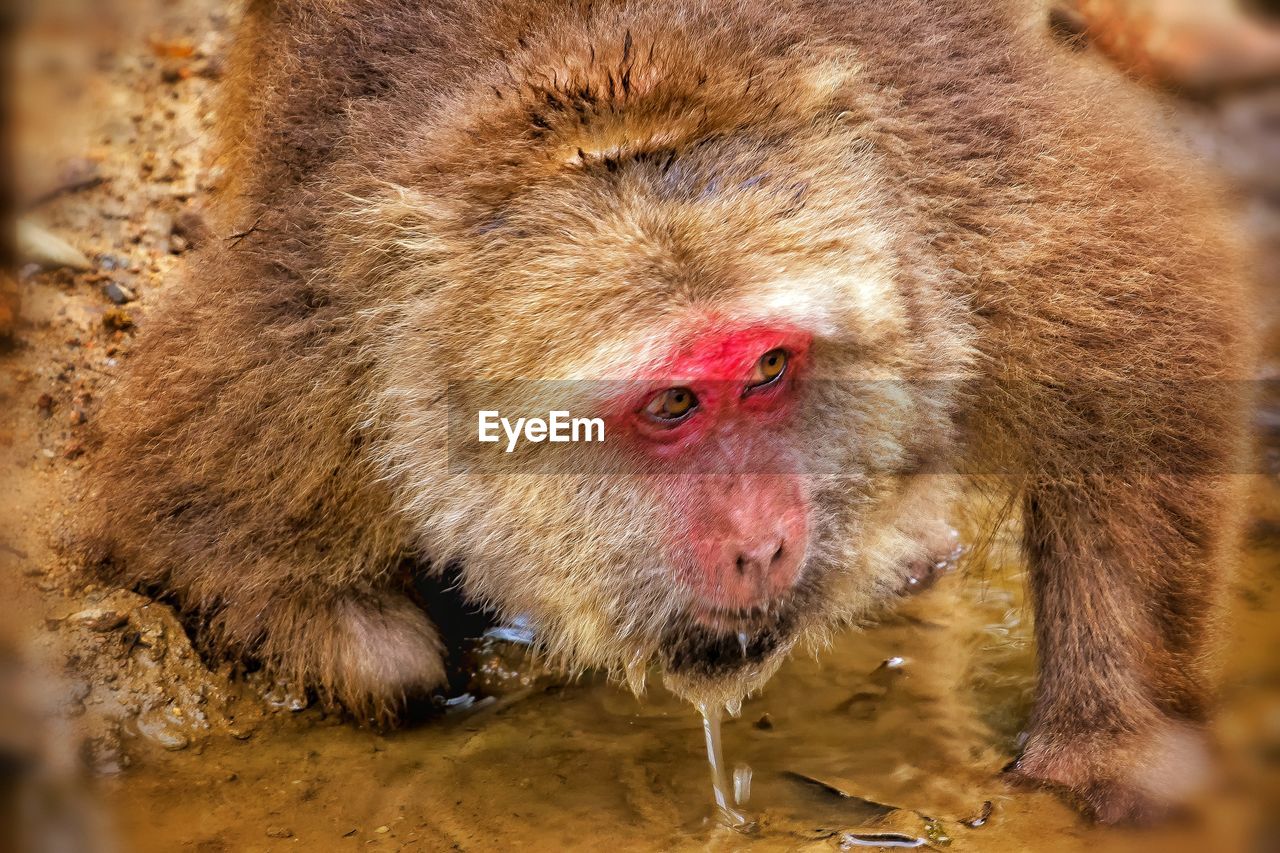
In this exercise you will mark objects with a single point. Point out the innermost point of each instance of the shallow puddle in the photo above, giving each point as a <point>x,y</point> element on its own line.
<point>892,738</point>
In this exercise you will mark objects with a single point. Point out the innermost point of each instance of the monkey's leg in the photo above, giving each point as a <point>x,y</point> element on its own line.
<point>371,650</point>
<point>1125,576</point>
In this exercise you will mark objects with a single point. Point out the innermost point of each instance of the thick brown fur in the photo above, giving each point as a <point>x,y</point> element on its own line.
<point>426,192</point>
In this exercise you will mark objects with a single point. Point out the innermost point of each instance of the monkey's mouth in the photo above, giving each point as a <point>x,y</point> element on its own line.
<point>735,620</point>
<point>711,642</point>
<point>717,643</point>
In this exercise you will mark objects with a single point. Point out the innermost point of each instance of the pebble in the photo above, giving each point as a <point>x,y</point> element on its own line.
<point>240,731</point>
<point>281,696</point>
<point>279,832</point>
<point>117,320</point>
<point>100,619</point>
<point>158,727</point>
<point>38,246</point>
<point>118,293</point>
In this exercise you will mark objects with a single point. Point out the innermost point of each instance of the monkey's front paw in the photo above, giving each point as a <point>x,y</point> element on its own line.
<point>942,553</point>
<point>1132,778</point>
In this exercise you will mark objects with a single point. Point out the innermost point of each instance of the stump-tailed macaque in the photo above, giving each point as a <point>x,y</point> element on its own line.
<point>809,262</point>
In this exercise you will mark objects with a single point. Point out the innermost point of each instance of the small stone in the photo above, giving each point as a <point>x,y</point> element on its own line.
<point>981,817</point>
<point>281,696</point>
<point>383,830</point>
<point>279,832</point>
<point>117,320</point>
<point>174,73</point>
<point>159,727</point>
<point>765,723</point>
<point>45,249</point>
<point>118,293</point>
<point>100,619</point>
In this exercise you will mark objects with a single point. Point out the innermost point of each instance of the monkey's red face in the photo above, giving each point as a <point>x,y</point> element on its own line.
<point>749,328</point>
<point>713,412</point>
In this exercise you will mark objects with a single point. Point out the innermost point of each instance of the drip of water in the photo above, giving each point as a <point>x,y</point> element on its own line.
<point>734,708</point>
<point>715,757</point>
<point>741,784</point>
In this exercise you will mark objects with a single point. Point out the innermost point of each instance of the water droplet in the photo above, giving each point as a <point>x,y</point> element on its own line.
<point>734,707</point>
<point>742,642</point>
<point>520,631</point>
<point>741,784</point>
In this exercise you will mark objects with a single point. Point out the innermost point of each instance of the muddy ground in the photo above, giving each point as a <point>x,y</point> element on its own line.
<point>126,739</point>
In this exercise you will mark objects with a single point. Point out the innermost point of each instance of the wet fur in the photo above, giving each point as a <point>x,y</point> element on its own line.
<point>432,191</point>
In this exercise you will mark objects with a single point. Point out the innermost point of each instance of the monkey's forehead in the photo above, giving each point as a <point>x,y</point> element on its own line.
<point>719,343</point>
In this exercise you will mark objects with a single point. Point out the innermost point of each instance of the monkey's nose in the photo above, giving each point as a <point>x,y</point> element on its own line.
<point>748,538</point>
<point>758,561</point>
<point>753,571</point>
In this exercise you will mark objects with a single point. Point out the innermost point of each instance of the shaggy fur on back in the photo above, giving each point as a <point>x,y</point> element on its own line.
<point>424,192</point>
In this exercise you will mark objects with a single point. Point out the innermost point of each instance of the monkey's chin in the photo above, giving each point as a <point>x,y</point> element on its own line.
<point>719,662</point>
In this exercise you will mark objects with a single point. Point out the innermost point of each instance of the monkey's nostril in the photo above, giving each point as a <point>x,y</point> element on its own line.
<point>742,564</point>
<point>777,556</point>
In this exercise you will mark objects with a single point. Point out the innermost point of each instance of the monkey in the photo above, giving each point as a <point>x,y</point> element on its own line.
<point>815,264</point>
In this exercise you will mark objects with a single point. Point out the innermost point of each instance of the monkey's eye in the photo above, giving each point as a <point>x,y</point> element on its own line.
<point>768,369</point>
<point>671,405</point>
